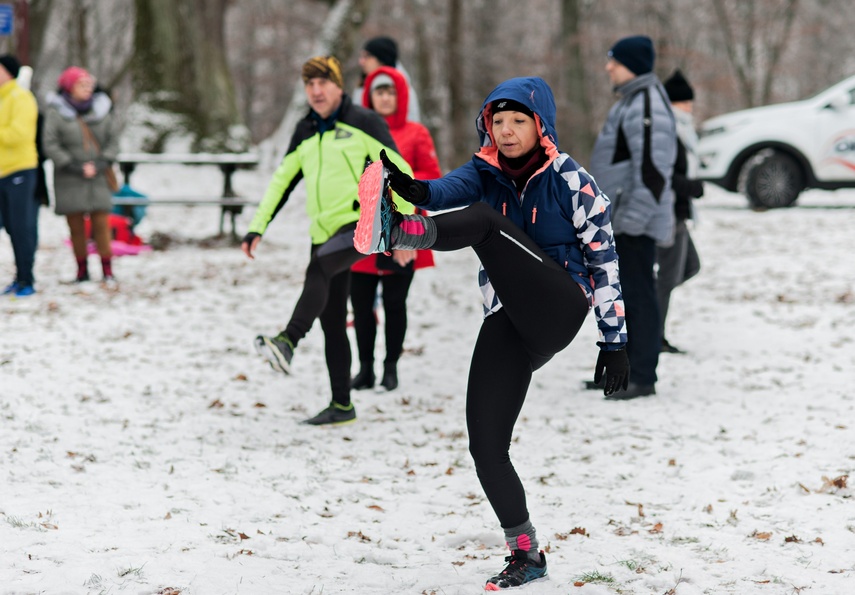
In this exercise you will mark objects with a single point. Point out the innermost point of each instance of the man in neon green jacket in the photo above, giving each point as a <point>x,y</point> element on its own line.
<point>19,209</point>
<point>329,149</point>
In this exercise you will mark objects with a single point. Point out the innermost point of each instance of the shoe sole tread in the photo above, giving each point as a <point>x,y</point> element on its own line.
<point>370,192</point>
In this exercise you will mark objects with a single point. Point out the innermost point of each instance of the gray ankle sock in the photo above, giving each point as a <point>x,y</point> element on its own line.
<point>414,232</point>
<point>523,537</point>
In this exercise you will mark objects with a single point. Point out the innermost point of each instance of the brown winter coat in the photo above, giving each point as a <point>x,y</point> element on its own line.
<point>63,144</point>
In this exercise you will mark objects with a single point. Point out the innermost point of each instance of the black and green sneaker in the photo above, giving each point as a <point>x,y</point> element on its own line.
<point>520,570</point>
<point>277,350</point>
<point>334,415</point>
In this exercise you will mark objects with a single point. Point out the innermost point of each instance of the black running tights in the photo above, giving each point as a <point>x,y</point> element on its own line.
<point>324,296</point>
<point>543,309</point>
<point>363,293</point>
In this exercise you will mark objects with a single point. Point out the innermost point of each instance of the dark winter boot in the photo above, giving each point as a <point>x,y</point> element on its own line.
<point>82,271</point>
<point>390,376</point>
<point>365,378</point>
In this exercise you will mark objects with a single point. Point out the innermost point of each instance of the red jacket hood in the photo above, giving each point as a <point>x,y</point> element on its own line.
<point>399,118</point>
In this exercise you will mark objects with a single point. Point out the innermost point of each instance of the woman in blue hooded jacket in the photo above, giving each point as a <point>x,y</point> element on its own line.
<point>542,231</point>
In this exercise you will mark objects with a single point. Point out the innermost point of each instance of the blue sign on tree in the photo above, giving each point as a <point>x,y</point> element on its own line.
<point>7,19</point>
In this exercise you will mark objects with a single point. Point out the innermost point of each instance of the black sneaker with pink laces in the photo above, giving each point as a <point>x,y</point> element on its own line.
<point>520,570</point>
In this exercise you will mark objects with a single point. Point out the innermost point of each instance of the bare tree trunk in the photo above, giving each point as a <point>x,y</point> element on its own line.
<point>754,47</point>
<point>575,123</point>
<point>180,61</point>
<point>39,12</point>
<point>425,80</point>
<point>338,38</point>
<point>731,47</point>
<point>776,43</point>
<point>460,132</point>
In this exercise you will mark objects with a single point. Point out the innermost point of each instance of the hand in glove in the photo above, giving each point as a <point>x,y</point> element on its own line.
<point>613,366</point>
<point>404,186</point>
<point>250,243</point>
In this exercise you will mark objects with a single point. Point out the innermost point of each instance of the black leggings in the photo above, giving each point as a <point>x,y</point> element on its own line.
<point>543,309</point>
<point>363,291</point>
<point>324,296</point>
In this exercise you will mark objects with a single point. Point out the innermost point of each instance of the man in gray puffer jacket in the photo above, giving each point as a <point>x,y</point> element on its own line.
<point>633,162</point>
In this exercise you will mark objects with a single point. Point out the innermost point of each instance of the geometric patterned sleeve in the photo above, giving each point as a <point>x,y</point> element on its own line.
<point>592,220</point>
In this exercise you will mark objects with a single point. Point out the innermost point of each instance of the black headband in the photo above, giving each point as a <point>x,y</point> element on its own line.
<point>509,105</point>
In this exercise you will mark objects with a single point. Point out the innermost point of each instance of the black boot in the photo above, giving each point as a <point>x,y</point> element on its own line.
<point>365,378</point>
<point>390,376</point>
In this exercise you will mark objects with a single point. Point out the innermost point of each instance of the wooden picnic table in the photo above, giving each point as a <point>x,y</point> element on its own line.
<point>229,201</point>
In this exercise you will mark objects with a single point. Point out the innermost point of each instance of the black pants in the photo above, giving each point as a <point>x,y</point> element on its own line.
<point>543,309</point>
<point>324,296</point>
<point>641,304</point>
<point>677,264</point>
<point>19,212</point>
<point>363,291</point>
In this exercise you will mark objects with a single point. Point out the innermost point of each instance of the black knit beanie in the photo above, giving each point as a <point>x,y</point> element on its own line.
<point>678,88</point>
<point>11,64</point>
<point>384,49</point>
<point>636,53</point>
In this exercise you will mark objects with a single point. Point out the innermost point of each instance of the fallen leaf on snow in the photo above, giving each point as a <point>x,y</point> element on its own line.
<point>836,483</point>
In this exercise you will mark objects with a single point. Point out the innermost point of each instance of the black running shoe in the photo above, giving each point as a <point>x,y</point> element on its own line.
<point>277,350</point>
<point>334,415</point>
<point>520,570</point>
<point>668,348</point>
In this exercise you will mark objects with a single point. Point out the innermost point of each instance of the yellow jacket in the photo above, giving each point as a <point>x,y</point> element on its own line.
<point>19,114</point>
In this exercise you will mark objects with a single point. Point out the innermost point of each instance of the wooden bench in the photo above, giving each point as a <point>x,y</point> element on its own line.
<point>229,201</point>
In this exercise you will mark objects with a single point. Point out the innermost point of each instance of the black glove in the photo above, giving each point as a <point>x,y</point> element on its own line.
<point>248,238</point>
<point>697,188</point>
<point>404,186</point>
<point>616,367</point>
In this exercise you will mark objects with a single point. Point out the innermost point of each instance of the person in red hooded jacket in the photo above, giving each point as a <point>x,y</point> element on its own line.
<point>386,93</point>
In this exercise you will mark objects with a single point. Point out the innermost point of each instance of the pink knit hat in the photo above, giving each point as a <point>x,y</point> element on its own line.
<point>71,75</point>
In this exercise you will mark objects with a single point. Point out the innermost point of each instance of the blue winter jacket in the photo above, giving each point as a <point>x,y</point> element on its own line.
<point>560,208</point>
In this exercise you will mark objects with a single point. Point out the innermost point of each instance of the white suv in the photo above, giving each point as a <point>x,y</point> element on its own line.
<point>772,153</point>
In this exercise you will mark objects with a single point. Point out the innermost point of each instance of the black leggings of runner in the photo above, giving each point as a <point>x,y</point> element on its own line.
<point>324,296</point>
<point>542,310</point>
<point>363,291</point>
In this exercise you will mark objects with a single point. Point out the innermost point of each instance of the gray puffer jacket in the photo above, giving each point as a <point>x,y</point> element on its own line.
<point>62,142</point>
<point>633,160</point>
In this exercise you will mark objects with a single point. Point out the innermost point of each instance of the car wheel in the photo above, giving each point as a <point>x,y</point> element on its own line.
<point>774,181</point>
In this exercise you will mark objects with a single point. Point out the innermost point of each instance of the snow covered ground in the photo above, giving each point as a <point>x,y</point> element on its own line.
<point>145,448</point>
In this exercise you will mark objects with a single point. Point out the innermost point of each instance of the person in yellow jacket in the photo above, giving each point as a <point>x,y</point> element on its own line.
<point>19,209</point>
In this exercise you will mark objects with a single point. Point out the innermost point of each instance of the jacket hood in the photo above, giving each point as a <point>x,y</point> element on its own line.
<point>399,118</point>
<point>101,106</point>
<point>534,93</point>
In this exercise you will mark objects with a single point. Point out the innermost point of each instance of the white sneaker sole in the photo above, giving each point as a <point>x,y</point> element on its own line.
<point>371,186</point>
<point>269,352</point>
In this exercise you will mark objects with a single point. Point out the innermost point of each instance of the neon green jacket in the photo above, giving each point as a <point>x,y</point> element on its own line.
<point>331,164</point>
